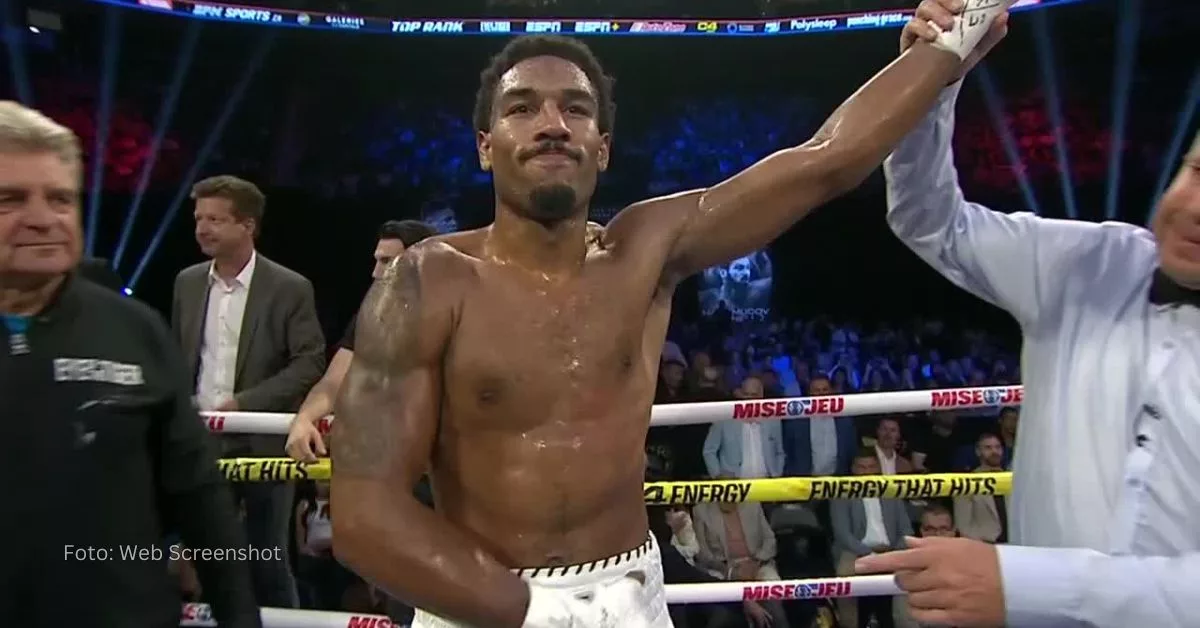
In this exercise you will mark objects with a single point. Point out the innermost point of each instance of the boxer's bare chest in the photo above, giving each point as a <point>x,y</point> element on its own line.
<point>536,351</point>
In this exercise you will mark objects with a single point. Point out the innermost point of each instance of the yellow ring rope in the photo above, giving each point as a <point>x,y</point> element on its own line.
<point>764,490</point>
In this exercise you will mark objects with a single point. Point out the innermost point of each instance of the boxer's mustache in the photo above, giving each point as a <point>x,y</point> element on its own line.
<point>550,148</point>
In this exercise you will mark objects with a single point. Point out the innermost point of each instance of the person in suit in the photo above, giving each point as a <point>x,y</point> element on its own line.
<point>984,517</point>
<point>735,542</point>
<point>745,448</point>
<point>820,447</point>
<point>249,330</point>
<point>862,527</point>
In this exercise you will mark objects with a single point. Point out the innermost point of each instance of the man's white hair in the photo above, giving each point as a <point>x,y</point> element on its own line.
<point>25,130</point>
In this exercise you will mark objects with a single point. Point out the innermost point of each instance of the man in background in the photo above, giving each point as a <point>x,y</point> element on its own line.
<point>304,442</point>
<point>249,331</point>
<point>862,527</point>
<point>984,517</point>
<point>936,520</point>
<point>735,542</point>
<point>746,448</point>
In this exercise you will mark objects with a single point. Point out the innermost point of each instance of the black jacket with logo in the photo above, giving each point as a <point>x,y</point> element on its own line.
<point>105,456</point>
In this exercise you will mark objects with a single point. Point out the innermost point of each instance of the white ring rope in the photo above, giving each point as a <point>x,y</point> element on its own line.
<point>668,414</point>
<point>708,593</point>
<point>711,412</point>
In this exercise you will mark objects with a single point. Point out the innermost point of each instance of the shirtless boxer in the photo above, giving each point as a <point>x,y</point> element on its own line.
<point>517,362</point>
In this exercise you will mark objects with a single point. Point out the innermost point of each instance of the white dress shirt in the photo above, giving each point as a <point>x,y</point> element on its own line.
<point>1108,454</point>
<point>823,434</point>
<point>887,464</point>
<point>876,534</point>
<point>222,330</point>
<point>754,462</point>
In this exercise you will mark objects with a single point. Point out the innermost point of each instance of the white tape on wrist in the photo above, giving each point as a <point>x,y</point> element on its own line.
<point>970,26</point>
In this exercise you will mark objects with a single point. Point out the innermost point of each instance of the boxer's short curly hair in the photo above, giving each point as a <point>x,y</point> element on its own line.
<point>531,46</point>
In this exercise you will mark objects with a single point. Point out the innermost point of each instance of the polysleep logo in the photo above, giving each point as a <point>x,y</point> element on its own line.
<point>783,408</point>
<point>977,397</point>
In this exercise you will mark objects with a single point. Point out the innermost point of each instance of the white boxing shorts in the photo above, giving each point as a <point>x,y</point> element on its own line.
<point>646,608</point>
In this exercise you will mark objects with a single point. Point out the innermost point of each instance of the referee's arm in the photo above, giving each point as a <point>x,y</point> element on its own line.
<point>197,501</point>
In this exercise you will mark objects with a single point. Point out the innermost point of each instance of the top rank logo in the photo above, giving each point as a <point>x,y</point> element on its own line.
<point>977,397</point>
<point>783,408</point>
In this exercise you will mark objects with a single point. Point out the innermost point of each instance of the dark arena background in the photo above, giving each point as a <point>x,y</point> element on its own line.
<point>348,113</point>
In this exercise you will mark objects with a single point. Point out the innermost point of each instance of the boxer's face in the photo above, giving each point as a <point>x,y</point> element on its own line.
<point>545,146</point>
<point>1177,223</point>
<point>40,233</point>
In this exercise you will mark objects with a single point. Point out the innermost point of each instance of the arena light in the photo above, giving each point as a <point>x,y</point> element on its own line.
<point>1191,99</point>
<point>254,62</point>
<point>110,54</point>
<point>166,111</point>
<point>1128,22</point>
<point>1045,54</point>
<point>995,108</point>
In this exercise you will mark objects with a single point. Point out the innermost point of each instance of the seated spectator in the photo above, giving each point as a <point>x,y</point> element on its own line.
<point>984,517</point>
<point>746,448</point>
<point>822,446</point>
<point>736,543</point>
<point>861,527</point>
<point>887,448</point>
<point>967,456</point>
<point>935,443</point>
<point>936,520</point>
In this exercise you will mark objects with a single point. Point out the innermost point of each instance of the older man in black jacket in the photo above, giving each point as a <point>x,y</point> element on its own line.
<point>107,455</point>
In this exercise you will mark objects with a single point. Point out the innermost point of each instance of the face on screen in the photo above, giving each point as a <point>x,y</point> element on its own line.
<point>545,146</point>
<point>1177,223</point>
<point>741,269</point>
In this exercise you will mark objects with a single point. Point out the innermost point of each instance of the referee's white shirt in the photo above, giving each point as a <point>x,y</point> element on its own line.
<point>1107,468</point>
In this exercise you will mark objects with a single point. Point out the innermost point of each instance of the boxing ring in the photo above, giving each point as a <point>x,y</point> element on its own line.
<point>660,493</point>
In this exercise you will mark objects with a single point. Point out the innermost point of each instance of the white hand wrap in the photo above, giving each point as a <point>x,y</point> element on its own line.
<point>970,26</point>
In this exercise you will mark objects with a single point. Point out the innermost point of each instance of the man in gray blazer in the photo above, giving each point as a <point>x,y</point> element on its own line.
<point>735,542</point>
<point>725,452</point>
<point>862,527</point>
<point>249,330</point>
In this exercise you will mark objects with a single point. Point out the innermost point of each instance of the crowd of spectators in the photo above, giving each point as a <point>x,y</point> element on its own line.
<point>776,359</point>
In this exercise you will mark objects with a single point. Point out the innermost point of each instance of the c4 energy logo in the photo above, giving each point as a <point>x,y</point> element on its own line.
<point>696,492</point>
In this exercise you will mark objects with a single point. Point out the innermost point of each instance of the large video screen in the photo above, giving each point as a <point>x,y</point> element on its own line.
<point>742,286</point>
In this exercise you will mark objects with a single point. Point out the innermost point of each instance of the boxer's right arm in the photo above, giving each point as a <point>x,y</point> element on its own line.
<point>387,421</point>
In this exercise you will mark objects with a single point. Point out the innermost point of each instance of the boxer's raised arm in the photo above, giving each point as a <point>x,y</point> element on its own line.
<point>745,213</point>
<point>387,422</point>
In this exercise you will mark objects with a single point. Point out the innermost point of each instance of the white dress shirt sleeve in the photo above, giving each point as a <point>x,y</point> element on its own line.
<point>1052,587</point>
<point>1014,261</point>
